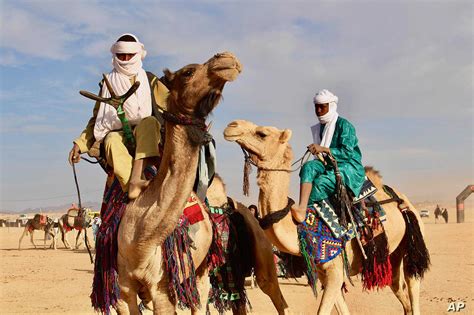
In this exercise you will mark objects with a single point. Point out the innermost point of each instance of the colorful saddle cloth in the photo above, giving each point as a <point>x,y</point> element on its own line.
<point>322,238</point>
<point>317,244</point>
<point>225,263</point>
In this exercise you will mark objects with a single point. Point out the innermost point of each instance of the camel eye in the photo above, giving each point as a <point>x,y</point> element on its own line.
<point>261,134</point>
<point>188,72</point>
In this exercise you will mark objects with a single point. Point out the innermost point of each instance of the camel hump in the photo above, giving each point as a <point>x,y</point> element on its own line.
<point>374,176</point>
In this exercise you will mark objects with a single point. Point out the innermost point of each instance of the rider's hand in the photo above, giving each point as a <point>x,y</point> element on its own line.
<point>74,154</point>
<point>316,149</point>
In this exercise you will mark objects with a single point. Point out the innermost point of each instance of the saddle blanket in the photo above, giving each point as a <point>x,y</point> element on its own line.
<point>316,239</point>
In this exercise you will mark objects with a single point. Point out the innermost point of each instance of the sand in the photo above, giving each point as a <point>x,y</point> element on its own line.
<point>35,281</point>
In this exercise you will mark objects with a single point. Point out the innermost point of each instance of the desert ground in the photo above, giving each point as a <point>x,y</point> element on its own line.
<point>38,281</point>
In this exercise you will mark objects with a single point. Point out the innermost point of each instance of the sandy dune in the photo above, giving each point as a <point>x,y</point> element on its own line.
<point>35,281</point>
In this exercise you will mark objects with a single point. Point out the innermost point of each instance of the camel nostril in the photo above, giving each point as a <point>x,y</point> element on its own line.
<point>233,124</point>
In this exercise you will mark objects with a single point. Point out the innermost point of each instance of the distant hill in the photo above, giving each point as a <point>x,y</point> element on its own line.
<point>88,204</point>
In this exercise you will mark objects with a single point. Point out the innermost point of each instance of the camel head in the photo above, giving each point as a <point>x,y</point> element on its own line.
<point>195,90</point>
<point>268,147</point>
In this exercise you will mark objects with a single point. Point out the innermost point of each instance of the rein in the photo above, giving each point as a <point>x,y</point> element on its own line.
<point>275,216</point>
<point>395,198</point>
<point>248,167</point>
<point>82,213</point>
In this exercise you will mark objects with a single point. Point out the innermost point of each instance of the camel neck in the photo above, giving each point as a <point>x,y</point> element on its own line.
<point>274,190</point>
<point>165,198</point>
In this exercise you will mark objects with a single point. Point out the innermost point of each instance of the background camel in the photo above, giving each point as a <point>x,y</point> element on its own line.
<point>269,150</point>
<point>194,92</point>
<point>73,221</point>
<point>259,247</point>
<point>42,223</point>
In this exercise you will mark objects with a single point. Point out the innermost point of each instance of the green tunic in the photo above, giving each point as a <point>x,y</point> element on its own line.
<point>344,147</point>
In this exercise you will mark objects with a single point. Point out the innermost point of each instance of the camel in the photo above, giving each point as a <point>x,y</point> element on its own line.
<point>72,221</point>
<point>46,225</point>
<point>194,92</point>
<point>260,247</point>
<point>269,149</point>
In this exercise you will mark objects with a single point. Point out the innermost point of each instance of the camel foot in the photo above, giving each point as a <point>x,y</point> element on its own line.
<point>135,188</point>
<point>298,213</point>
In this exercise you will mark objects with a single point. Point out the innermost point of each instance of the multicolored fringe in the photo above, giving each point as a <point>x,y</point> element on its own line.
<point>317,244</point>
<point>226,277</point>
<point>180,266</point>
<point>376,269</point>
<point>105,289</point>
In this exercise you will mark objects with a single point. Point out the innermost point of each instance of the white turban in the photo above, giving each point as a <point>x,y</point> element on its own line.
<point>329,119</point>
<point>132,66</point>
<point>324,97</point>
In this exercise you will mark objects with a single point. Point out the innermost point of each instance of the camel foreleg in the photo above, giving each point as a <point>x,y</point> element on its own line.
<point>341,305</point>
<point>162,301</point>
<point>203,286</point>
<point>333,280</point>
<point>25,232</point>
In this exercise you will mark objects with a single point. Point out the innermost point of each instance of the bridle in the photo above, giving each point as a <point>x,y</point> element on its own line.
<point>249,162</point>
<point>302,160</point>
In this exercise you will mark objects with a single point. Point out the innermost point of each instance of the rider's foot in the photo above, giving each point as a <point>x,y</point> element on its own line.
<point>135,188</point>
<point>298,213</point>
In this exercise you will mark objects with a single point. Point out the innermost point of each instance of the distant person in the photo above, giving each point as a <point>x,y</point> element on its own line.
<point>96,222</point>
<point>444,214</point>
<point>437,213</point>
<point>254,210</point>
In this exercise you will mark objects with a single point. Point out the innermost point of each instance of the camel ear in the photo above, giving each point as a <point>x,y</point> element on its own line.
<point>285,135</point>
<point>168,77</point>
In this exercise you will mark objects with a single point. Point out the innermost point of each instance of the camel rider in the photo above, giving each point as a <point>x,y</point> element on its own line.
<point>333,134</point>
<point>105,125</point>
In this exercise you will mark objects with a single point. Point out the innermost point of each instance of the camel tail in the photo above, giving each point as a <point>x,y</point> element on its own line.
<point>374,176</point>
<point>417,259</point>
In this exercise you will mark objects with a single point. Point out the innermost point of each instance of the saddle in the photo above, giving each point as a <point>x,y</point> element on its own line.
<point>42,219</point>
<point>330,215</point>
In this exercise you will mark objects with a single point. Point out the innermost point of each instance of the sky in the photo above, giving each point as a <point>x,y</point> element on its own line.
<point>403,72</point>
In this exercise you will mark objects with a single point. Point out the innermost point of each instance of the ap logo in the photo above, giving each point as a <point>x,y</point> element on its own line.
<point>456,306</point>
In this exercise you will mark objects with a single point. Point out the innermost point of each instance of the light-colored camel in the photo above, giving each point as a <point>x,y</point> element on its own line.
<point>194,92</point>
<point>259,247</point>
<point>36,224</point>
<point>73,221</point>
<point>269,149</point>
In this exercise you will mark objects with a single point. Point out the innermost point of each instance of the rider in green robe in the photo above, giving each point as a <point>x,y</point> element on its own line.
<point>336,135</point>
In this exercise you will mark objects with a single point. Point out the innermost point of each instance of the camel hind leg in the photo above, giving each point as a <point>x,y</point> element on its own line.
<point>414,284</point>
<point>398,286</point>
<point>31,238</point>
<point>77,239</point>
<point>267,281</point>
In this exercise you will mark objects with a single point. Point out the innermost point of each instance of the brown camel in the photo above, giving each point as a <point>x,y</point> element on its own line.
<point>269,150</point>
<point>194,92</point>
<point>73,221</point>
<point>260,247</point>
<point>39,222</point>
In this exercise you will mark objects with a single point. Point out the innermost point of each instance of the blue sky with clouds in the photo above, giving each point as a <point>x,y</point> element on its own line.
<point>402,70</point>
